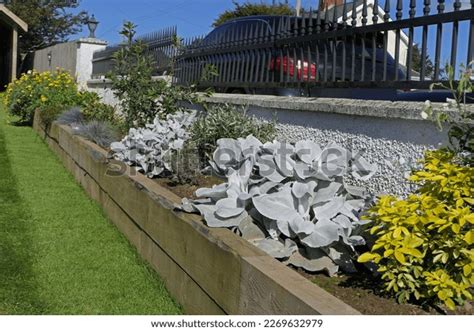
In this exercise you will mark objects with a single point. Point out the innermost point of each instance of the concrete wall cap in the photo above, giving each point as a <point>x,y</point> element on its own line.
<point>375,108</point>
<point>94,41</point>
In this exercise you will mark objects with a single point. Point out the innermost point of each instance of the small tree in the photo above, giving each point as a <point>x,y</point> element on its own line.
<point>141,96</point>
<point>49,22</point>
<point>416,61</point>
<point>132,79</point>
<point>250,9</point>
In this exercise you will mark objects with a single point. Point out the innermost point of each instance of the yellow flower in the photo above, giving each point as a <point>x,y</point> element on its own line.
<point>43,99</point>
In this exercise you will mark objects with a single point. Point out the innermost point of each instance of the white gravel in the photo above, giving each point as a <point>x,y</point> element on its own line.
<point>393,158</point>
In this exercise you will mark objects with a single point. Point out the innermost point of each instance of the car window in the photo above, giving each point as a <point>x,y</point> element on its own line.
<point>240,27</point>
<point>215,36</point>
<point>234,29</point>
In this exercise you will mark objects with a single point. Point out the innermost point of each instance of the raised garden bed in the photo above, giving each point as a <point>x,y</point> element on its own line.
<point>231,275</point>
<point>208,271</point>
<point>361,290</point>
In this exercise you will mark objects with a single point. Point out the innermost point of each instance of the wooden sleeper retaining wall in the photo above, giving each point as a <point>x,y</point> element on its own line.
<point>207,270</point>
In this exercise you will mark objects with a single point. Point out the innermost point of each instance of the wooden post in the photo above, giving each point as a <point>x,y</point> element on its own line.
<point>14,54</point>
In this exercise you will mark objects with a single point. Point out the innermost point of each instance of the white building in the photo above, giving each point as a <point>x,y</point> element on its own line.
<point>337,5</point>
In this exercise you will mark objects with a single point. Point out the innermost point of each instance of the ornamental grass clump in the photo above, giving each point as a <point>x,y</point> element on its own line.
<point>424,244</point>
<point>71,117</point>
<point>99,132</point>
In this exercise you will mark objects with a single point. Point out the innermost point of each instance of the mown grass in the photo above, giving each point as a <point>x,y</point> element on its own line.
<point>58,252</point>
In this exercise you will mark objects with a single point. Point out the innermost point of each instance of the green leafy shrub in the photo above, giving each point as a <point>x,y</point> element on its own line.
<point>460,122</point>
<point>50,92</point>
<point>142,97</point>
<point>51,112</point>
<point>225,121</point>
<point>94,109</point>
<point>424,247</point>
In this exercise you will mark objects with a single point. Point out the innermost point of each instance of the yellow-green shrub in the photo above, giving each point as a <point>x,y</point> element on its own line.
<point>424,247</point>
<point>94,109</point>
<point>51,92</point>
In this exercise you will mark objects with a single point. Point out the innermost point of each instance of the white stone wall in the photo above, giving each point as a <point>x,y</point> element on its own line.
<point>85,51</point>
<point>392,135</point>
<point>103,88</point>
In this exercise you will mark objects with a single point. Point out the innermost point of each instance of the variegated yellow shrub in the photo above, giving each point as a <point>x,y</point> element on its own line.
<point>424,247</point>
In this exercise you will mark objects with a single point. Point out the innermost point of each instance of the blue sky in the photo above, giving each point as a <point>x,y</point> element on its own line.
<point>195,17</point>
<point>191,17</point>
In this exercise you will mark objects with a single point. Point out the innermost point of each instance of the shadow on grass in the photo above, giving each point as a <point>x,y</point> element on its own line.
<point>17,280</point>
<point>21,123</point>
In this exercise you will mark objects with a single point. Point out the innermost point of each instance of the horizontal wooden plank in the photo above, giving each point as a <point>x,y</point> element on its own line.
<point>267,288</point>
<point>184,289</point>
<point>209,271</point>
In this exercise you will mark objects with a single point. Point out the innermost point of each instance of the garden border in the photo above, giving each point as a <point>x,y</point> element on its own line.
<point>207,270</point>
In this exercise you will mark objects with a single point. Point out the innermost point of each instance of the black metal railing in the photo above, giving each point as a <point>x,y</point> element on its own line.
<point>161,45</point>
<point>355,44</point>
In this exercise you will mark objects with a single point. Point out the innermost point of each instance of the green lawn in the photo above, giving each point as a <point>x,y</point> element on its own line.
<point>58,252</point>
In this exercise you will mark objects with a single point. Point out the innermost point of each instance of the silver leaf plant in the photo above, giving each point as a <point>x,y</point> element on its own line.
<point>290,200</point>
<point>148,149</point>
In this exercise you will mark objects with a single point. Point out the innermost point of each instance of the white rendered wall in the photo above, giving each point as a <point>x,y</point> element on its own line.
<point>85,51</point>
<point>392,36</point>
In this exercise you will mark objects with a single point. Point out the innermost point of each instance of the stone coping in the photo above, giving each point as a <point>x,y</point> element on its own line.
<point>408,110</point>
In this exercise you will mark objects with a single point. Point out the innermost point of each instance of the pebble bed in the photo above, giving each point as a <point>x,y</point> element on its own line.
<point>393,158</point>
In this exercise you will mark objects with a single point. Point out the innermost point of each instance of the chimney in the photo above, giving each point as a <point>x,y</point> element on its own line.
<point>330,3</point>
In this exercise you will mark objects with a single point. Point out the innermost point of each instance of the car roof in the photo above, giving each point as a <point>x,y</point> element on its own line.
<point>257,17</point>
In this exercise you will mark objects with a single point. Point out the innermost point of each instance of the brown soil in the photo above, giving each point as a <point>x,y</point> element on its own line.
<point>360,291</point>
<point>187,190</point>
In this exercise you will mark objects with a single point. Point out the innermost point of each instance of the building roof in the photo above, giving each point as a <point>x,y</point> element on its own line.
<point>9,18</point>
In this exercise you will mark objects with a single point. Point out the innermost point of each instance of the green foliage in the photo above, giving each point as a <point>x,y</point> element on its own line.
<point>50,113</point>
<point>424,247</point>
<point>227,122</point>
<point>460,120</point>
<point>250,9</point>
<point>142,97</point>
<point>50,92</point>
<point>132,80</point>
<point>49,22</point>
<point>185,164</point>
<point>209,72</point>
<point>416,61</point>
<point>94,109</point>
